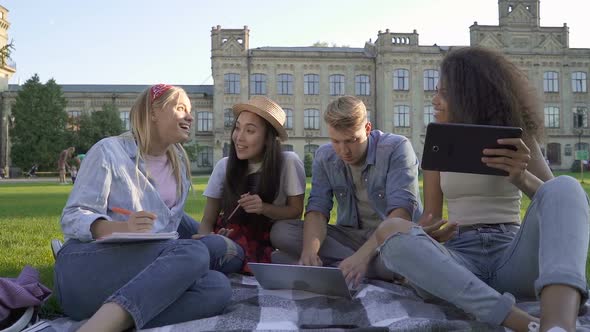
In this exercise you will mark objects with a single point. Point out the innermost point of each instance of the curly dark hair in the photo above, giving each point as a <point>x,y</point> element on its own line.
<point>482,86</point>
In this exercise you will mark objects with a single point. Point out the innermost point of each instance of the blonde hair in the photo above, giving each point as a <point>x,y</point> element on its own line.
<point>346,113</point>
<point>140,129</point>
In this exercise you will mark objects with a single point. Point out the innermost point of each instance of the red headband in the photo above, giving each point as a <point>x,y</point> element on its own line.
<point>157,90</point>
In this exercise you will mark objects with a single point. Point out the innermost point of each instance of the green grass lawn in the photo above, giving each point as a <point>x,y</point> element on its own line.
<point>29,219</point>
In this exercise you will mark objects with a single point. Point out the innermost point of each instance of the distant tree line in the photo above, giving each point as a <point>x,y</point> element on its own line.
<point>42,129</point>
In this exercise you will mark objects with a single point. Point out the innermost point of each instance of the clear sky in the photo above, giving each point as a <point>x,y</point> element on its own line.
<point>148,41</point>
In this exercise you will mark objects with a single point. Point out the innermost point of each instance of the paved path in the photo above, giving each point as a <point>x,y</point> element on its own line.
<point>31,180</point>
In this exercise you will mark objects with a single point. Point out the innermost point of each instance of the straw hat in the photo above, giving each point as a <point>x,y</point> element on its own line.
<point>266,109</point>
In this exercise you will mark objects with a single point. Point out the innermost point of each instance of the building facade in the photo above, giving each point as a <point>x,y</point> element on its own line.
<point>394,75</point>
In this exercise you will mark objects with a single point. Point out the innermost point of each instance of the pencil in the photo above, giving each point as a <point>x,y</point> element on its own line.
<point>233,212</point>
<point>121,211</point>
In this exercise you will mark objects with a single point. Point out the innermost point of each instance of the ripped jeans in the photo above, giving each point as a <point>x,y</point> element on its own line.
<point>480,270</point>
<point>224,254</point>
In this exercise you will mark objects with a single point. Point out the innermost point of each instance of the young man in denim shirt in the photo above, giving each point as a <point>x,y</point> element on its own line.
<point>373,175</point>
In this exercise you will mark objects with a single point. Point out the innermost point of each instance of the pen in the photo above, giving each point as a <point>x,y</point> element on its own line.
<point>121,211</point>
<point>232,214</point>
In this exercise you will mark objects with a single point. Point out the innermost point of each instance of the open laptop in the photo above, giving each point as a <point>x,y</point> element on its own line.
<point>316,279</point>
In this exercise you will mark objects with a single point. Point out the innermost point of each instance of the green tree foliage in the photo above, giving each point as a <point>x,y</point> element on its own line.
<point>307,162</point>
<point>94,126</point>
<point>5,52</point>
<point>39,130</point>
<point>192,149</point>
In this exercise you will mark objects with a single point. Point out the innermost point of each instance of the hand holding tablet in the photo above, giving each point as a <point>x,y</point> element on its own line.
<point>454,147</point>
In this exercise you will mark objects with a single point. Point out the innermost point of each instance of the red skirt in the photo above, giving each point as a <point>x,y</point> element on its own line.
<point>254,238</point>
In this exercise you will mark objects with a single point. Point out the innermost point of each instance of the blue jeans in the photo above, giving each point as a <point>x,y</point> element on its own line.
<point>473,269</point>
<point>158,282</point>
<point>224,254</point>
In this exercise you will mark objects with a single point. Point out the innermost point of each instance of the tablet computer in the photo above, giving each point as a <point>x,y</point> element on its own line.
<point>455,147</point>
<point>316,279</point>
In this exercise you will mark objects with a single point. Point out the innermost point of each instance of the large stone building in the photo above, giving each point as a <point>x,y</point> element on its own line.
<point>394,75</point>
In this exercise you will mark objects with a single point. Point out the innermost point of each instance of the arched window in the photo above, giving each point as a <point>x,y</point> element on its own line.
<point>401,80</point>
<point>430,79</point>
<point>231,83</point>
<point>362,85</point>
<point>401,116</point>
<point>311,119</point>
<point>258,84</point>
<point>336,85</point>
<point>285,84</point>
<point>550,81</point>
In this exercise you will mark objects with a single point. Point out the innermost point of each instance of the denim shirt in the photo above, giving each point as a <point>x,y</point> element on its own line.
<point>108,178</point>
<point>391,173</point>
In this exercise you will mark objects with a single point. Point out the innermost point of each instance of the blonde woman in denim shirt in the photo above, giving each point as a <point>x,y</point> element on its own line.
<point>492,258</point>
<point>141,284</point>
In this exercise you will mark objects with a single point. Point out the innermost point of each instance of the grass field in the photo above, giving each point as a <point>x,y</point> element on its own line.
<point>29,219</point>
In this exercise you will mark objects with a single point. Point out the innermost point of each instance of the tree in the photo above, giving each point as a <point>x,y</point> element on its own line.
<point>39,131</point>
<point>5,52</point>
<point>97,125</point>
<point>307,162</point>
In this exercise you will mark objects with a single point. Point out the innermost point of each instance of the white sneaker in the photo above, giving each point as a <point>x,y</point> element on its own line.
<point>556,329</point>
<point>534,327</point>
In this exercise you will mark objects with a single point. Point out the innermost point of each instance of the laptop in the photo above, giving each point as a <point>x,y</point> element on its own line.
<point>316,279</point>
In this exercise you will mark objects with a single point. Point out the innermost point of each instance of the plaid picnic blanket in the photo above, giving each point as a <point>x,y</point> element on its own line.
<point>377,306</point>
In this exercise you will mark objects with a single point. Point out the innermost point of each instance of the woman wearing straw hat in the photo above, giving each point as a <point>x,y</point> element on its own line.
<point>254,186</point>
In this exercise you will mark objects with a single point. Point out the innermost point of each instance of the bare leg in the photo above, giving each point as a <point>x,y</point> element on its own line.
<point>518,320</point>
<point>109,317</point>
<point>559,307</point>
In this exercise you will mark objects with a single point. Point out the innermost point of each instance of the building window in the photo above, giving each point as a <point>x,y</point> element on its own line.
<point>231,83</point>
<point>285,84</point>
<point>430,79</point>
<point>369,118</point>
<point>287,147</point>
<point>428,114</point>
<point>401,80</point>
<point>336,85</point>
<point>580,117</point>
<point>205,156</point>
<point>74,120</point>
<point>567,151</point>
<point>311,119</point>
<point>288,118</point>
<point>258,84</point>
<point>579,82</point>
<point>362,85</point>
<point>228,118</point>
<point>551,117</point>
<point>401,116</point>
<point>124,116</point>
<point>311,84</point>
<point>204,121</point>
<point>310,148</point>
<point>550,81</point>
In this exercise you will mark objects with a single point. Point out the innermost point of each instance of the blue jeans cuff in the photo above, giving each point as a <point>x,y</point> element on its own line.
<point>500,310</point>
<point>129,307</point>
<point>562,278</point>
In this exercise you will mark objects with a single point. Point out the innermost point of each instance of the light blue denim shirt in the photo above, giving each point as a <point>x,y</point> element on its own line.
<point>391,173</point>
<point>108,178</point>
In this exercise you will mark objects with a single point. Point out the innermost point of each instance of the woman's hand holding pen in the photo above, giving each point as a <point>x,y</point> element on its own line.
<point>141,221</point>
<point>251,203</point>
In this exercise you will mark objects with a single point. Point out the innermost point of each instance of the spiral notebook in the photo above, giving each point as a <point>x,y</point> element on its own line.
<point>137,237</point>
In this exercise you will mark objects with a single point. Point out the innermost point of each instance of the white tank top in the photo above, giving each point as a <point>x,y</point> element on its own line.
<point>480,199</point>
